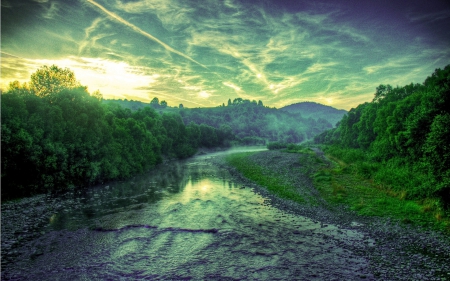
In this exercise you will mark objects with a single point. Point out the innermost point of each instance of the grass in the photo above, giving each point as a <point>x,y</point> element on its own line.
<point>343,184</point>
<point>263,177</point>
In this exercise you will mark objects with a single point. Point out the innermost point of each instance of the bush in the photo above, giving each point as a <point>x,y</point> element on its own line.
<point>276,145</point>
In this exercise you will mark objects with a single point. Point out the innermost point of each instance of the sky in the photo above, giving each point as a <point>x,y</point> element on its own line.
<point>200,53</point>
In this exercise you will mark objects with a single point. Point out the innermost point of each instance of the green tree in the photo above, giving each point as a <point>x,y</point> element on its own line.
<point>437,147</point>
<point>154,102</point>
<point>47,81</point>
<point>16,88</point>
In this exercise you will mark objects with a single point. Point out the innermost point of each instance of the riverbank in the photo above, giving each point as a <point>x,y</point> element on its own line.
<point>402,251</point>
<point>235,233</point>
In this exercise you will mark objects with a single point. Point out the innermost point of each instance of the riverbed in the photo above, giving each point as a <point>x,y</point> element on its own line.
<point>184,220</point>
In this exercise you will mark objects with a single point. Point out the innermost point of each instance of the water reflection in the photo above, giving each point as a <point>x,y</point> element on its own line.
<point>189,220</point>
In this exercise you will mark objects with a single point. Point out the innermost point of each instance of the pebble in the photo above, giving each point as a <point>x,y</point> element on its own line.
<point>397,249</point>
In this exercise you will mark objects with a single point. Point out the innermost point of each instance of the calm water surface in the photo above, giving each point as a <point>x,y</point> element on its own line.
<point>185,220</point>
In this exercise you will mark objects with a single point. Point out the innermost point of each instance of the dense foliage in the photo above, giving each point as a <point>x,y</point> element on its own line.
<point>250,121</point>
<point>56,135</point>
<point>404,133</point>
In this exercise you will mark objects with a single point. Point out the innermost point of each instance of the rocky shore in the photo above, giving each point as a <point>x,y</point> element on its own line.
<point>396,251</point>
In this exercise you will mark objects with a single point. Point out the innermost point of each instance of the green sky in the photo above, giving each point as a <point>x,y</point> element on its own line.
<point>201,53</point>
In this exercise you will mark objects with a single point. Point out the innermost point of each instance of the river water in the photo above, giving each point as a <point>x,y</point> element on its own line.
<point>187,220</point>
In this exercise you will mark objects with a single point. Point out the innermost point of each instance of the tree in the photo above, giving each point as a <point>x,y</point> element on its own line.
<point>155,102</point>
<point>163,104</point>
<point>97,95</point>
<point>19,89</point>
<point>381,92</point>
<point>208,136</point>
<point>437,147</point>
<point>48,81</point>
<point>238,101</point>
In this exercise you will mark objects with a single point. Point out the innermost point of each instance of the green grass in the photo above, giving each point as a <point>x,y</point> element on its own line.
<point>341,185</point>
<point>263,177</point>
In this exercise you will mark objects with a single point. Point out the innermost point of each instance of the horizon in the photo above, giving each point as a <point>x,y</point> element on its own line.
<point>334,53</point>
<point>225,103</point>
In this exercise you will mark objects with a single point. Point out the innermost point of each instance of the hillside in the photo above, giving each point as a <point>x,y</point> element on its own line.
<point>250,122</point>
<point>403,134</point>
<point>316,111</point>
<point>249,119</point>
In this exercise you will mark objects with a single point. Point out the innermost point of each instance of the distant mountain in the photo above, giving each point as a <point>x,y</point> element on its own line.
<point>250,121</point>
<point>316,111</point>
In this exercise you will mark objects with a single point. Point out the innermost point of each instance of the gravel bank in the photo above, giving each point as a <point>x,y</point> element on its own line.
<point>396,251</point>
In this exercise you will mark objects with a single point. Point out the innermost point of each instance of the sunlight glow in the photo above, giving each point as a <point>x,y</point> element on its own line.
<point>267,51</point>
<point>111,77</point>
<point>204,95</point>
<point>329,101</point>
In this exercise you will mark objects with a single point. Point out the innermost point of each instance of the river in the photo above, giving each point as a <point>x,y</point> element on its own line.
<point>185,220</point>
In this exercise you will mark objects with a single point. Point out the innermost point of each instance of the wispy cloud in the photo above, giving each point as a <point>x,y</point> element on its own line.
<point>429,17</point>
<point>232,86</point>
<point>142,32</point>
<point>202,53</point>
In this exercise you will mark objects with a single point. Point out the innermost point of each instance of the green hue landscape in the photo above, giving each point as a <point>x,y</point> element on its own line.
<point>57,136</point>
<point>391,156</point>
<point>400,139</point>
<point>340,184</point>
<point>263,176</point>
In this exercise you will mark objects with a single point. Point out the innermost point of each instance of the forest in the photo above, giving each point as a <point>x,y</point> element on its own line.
<point>250,121</point>
<point>253,123</point>
<point>56,135</point>
<point>401,139</point>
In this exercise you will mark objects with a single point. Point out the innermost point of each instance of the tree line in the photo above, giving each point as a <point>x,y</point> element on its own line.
<point>405,133</point>
<point>253,123</point>
<point>55,135</point>
<point>250,122</point>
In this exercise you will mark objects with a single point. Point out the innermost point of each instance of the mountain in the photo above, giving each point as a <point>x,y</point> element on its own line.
<point>316,111</point>
<point>250,121</point>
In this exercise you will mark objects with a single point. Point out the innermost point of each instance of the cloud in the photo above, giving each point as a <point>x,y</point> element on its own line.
<point>316,67</point>
<point>429,17</point>
<point>51,11</point>
<point>250,49</point>
<point>231,85</point>
<point>204,95</point>
<point>172,14</point>
<point>140,31</point>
